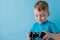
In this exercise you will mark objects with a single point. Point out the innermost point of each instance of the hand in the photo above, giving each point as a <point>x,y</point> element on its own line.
<point>47,36</point>
<point>29,37</point>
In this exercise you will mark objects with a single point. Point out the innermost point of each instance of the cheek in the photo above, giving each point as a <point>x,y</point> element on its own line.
<point>36,18</point>
<point>44,18</point>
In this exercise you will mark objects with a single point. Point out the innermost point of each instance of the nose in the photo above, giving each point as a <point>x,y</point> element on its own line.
<point>39,17</point>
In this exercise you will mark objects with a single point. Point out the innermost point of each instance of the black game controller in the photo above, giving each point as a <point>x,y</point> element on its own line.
<point>37,34</point>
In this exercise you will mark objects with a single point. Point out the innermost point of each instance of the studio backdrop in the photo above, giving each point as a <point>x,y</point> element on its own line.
<point>17,17</point>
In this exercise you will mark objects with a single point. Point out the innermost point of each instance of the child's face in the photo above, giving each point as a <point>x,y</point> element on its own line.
<point>41,16</point>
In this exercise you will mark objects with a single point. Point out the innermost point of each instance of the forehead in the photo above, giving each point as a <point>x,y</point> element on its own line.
<point>40,12</point>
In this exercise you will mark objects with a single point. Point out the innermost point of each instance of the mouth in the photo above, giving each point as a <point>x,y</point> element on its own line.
<point>40,21</point>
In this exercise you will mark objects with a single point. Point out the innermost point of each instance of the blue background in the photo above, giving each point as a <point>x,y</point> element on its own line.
<point>17,17</point>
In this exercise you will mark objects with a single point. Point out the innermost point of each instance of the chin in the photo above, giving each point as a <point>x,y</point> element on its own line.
<point>40,22</point>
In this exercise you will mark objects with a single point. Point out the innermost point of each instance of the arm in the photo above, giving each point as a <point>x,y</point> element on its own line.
<point>55,32</point>
<point>29,38</point>
<point>54,36</point>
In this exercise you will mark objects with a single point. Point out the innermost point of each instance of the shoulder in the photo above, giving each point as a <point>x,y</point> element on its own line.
<point>53,28</point>
<point>51,23</point>
<point>35,24</point>
<point>33,27</point>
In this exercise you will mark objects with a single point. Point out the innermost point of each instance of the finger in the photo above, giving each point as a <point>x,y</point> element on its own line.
<point>46,36</point>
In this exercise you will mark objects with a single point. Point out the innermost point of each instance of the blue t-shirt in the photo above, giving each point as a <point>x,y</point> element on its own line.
<point>46,26</point>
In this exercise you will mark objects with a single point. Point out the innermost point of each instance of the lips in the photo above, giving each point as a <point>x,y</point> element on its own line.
<point>40,20</point>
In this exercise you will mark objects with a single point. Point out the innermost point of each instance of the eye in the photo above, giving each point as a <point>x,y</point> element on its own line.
<point>36,15</point>
<point>42,15</point>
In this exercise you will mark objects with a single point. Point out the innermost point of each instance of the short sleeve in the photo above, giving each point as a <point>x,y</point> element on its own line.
<point>54,28</point>
<point>32,29</point>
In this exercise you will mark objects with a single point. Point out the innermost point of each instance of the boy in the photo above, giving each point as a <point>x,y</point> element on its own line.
<point>41,12</point>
